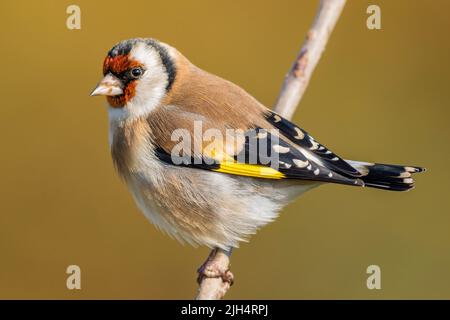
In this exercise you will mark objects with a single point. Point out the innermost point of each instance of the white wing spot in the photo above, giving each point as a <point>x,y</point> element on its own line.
<point>330,175</point>
<point>309,167</point>
<point>335,159</point>
<point>276,118</point>
<point>328,152</point>
<point>316,172</point>
<point>300,163</point>
<point>300,135</point>
<point>279,149</point>
<point>315,145</point>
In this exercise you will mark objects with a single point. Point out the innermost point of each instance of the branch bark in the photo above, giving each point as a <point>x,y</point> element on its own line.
<point>297,79</point>
<point>294,86</point>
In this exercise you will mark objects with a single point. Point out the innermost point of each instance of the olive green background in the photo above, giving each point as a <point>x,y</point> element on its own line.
<point>378,95</point>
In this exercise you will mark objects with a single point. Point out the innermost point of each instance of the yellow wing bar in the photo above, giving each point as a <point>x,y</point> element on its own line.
<point>249,170</point>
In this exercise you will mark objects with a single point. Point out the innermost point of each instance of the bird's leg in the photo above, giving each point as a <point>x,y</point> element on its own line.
<point>215,268</point>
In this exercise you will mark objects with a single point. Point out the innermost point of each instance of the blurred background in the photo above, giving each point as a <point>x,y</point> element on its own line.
<point>376,95</point>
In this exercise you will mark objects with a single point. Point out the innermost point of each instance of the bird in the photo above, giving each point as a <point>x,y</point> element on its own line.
<point>218,193</point>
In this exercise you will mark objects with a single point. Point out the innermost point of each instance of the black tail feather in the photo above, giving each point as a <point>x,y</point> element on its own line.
<point>386,176</point>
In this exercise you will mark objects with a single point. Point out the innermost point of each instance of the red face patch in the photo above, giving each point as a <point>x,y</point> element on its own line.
<point>119,66</point>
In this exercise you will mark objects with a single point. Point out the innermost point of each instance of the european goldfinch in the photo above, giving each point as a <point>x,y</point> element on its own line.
<point>153,90</point>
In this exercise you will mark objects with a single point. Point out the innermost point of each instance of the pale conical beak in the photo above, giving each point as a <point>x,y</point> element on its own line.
<point>109,86</point>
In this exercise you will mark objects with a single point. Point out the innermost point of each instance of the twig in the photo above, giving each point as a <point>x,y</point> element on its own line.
<point>215,288</point>
<point>292,91</point>
<point>298,77</point>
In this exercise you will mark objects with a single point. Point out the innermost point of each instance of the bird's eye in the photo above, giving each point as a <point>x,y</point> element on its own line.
<point>136,72</point>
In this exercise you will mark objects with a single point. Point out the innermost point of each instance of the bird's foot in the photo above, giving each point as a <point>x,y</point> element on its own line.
<point>211,268</point>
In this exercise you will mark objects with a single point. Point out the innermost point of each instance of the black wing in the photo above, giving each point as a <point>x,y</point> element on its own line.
<point>304,140</point>
<point>264,154</point>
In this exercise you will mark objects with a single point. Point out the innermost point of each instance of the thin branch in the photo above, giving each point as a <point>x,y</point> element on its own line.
<point>298,77</point>
<point>215,278</point>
